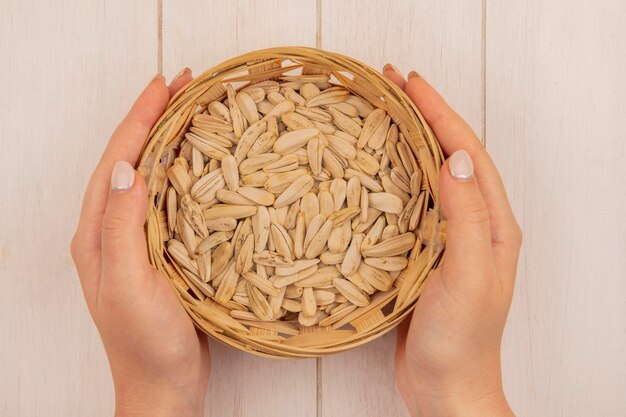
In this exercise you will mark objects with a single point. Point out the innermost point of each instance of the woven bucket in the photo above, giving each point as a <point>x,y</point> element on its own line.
<point>287,339</point>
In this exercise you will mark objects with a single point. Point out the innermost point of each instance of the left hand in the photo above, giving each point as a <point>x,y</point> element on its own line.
<point>160,363</point>
<point>448,353</point>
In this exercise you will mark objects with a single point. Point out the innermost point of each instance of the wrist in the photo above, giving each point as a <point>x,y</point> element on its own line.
<point>465,403</point>
<point>478,392</point>
<point>143,399</point>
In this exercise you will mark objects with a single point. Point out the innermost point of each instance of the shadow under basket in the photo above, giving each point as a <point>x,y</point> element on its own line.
<point>287,338</point>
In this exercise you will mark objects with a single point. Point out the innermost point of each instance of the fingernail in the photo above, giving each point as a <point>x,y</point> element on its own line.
<point>461,165</point>
<point>389,67</point>
<point>414,74</point>
<point>182,72</point>
<point>122,177</point>
<point>159,77</point>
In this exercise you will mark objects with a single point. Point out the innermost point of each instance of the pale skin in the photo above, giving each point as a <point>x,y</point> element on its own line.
<point>448,354</point>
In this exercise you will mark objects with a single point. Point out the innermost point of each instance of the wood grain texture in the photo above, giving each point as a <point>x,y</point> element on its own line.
<point>411,35</point>
<point>70,70</point>
<point>555,128</point>
<point>219,29</point>
<point>242,384</point>
<point>441,40</point>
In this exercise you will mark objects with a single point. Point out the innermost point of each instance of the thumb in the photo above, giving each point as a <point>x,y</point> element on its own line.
<point>124,248</point>
<point>468,243</point>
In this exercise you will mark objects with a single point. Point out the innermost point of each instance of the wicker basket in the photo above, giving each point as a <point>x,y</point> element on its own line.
<point>277,339</point>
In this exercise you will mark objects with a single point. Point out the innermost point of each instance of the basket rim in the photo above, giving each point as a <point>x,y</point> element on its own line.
<point>178,113</point>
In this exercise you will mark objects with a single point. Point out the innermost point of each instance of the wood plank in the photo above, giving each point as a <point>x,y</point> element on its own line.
<point>411,35</point>
<point>242,384</point>
<point>555,127</point>
<point>220,29</point>
<point>441,40</point>
<point>70,69</point>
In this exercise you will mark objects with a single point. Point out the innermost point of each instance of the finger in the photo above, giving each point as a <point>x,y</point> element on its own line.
<point>180,80</point>
<point>401,334</point>
<point>124,251</point>
<point>125,144</point>
<point>453,133</point>
<point>394,75</point>
<point>468,244</point>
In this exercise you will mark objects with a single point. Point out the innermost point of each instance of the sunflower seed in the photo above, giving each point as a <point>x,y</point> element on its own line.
<point>373,236</point>
<point>282,241</point>
<point>220,257</point>
<point>244,258</point>
<point>263,284</point>
<point>340,238</point>
<point>320,278</point>
<point>193,215</point>
<point>386,202</point>
<point>345,123</point>
<point>295,121</point>
<point>258,303</point>
<point>257,179</point>
<point>235,212</point>
<point>239,122</point>
<point>224,224</point>
<point>388,263</point>
<point>315,152</point>
<point>373,120</point>
<point>247,106</point>
<point>227,285</point>
<point>377,278</point>
<point>292,141</point>
<point>294,191</point>
<point>309,306</point>
<point>171,209</point>
<point>258,195</point>
<point>272,259</point>
<point>263,144</point>
<point>308,90</point>
<point>309,206</point>
<point>391,247</point>
<point>327,206</point>
<point>231,197</point>
<point>366,162</point>
<point>377,139</point>
<point>318,242</point>
<point>389,231</point>
<point>247,139</point>
<point>178,174</point>
<point>353,256</point>
<point>351,292</point>
<point>205,188</point>
<point>298,240</point>
<point>284,106</point>
<point>341,146</point>
<point>218,109</point>
<point>328,96</point>
<point>285,164</point>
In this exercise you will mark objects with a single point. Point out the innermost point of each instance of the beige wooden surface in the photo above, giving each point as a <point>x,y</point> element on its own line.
<point>543,81</point>
<point>555,126</point>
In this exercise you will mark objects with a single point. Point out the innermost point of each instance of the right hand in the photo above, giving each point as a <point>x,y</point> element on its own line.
<point>448,352</point>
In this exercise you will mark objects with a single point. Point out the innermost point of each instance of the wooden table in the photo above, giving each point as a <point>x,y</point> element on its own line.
<point>541,81</point>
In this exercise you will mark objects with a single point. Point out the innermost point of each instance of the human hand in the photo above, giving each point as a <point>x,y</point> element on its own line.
<point>159,362</point>
<point>448,352</point>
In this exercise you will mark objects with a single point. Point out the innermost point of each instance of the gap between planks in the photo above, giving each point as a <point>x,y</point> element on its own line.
<point>318,361</point>
<point>318,44</point>
<point>160,36</point>
<point>484,71</point>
